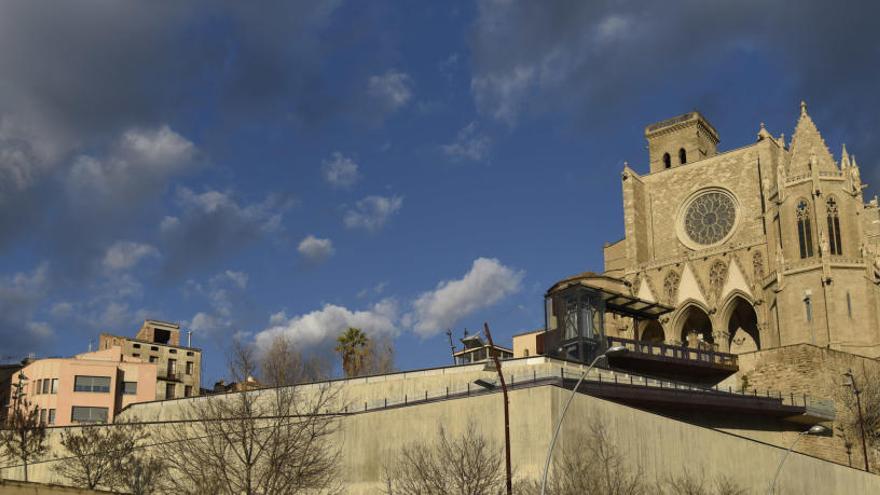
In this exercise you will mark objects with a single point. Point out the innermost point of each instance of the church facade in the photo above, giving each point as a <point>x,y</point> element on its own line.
<point>763,246</point>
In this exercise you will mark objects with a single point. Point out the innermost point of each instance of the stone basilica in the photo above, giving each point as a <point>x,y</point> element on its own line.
<point>764,246</point>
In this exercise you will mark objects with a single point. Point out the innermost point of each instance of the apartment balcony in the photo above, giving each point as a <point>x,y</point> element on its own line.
<point>170,375</point>
<point>674,361</point>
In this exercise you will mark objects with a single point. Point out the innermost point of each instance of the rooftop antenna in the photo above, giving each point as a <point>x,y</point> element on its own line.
<point>189,338</point>
<point>451,345</point>
<point>90,345</point>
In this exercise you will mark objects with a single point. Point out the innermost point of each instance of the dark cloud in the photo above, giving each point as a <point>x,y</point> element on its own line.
<point>90,89</point>
<point>596,61</point>
<point>20,298</point>
<point>212,225</point>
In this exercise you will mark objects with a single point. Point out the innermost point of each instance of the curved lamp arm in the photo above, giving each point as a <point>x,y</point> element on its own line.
<point>611,351</point>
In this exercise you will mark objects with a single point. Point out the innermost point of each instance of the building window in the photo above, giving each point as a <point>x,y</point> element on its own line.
<point>189,367</point>
<point>54,389</point>
<point>805,233</point>
<point>169,390</point>
<point>38,387</point>
<point>187,391</point>
<point>129,388</point>
<point>849,305</point>
<point>172,367</point>
<point>43,416</point>
<point>51,416</point>
<point>46,386</point>
<point>81,414</point>
<point>667,160</point>
<point>682,156</point>
<point>154,348</point>
<point>172,351</point>
<point>136,355</point>
<point>91,384</point>
<point>153,359</point>
<point>136,346</point>
<point>834,227</point>
<point>189,353</point>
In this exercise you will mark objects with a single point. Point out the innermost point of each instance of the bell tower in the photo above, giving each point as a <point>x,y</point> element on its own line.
<point>680,140</point>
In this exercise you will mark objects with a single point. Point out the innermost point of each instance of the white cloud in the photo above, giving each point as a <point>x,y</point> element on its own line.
<point>137,167</point>
<point>340,171</point>
<point>316,250</point>
<point>390,90</point>
<point>372,212</point>
<point>325,324</point>
<point>487,282</point>
<point>502,94</point>
<point>613,27</point>
<point>125,254</point>
<point>204,323</point>
<point>469,144</point>
<point>240,279</point>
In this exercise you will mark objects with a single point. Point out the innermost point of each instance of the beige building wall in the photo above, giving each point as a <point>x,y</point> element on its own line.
<point>178,367</point>
<point>656,445</point>
<point>50,383</point>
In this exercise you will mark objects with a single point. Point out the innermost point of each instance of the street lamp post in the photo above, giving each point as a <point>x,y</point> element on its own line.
<point>610,352</point>
<point>814,430</point>
<point>857,393</point>
<point>497,363</point>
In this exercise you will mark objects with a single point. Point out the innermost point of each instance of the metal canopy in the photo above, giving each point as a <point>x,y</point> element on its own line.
<point>623,304</point>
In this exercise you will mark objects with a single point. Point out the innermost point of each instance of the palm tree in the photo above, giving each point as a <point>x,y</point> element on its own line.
<point>351,345</point>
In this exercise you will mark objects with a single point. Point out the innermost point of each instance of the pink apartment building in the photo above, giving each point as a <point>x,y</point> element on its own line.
<point>87,388</point>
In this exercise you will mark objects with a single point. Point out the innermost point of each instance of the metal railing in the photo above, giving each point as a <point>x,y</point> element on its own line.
<point>675,351</point>
<point>558,376</point>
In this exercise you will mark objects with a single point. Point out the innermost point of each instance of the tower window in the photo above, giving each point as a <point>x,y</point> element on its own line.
<point>848,304</point>
<point>667,160</point>
<point>808,308</point>
<point>682,156</point>
<point>833,227</point>
<point>805,234</point>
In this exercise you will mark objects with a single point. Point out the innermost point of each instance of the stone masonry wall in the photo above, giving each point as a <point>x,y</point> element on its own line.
<point>817,372</point>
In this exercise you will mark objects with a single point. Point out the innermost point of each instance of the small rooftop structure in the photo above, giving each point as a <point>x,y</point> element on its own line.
<point>476,350</point>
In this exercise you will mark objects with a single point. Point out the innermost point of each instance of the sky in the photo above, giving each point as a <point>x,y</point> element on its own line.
<point>250,169</point>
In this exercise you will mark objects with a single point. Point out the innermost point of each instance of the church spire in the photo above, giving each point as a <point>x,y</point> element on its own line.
<point>807,141</point>
<point>844,159</point>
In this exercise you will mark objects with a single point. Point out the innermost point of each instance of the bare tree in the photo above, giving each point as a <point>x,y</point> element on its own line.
<point>95,455</point>
<point>141,474</point>
<point>379,356</point>
<point>274,440</point>
<point>850,424</point>
<point>588,462</point>
<point>468,464</point>
<point>23,435</point>
<point>282,364</point>
<point>695,483</point>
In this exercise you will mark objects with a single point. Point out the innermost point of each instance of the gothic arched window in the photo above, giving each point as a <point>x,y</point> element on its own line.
<point>805,233</point>
<point>833,227</point>
<point>682,156</point>
<point>667,160</point>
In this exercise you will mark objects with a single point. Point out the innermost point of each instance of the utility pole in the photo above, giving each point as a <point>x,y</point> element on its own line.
<point>451,345</point>
<point>857,393</point>
<point>506,408</point>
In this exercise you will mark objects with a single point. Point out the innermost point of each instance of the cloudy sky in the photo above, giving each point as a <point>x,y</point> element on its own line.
<point>299,167</point>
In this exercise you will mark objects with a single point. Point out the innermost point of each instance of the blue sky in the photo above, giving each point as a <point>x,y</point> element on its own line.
<point>298,167</point>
